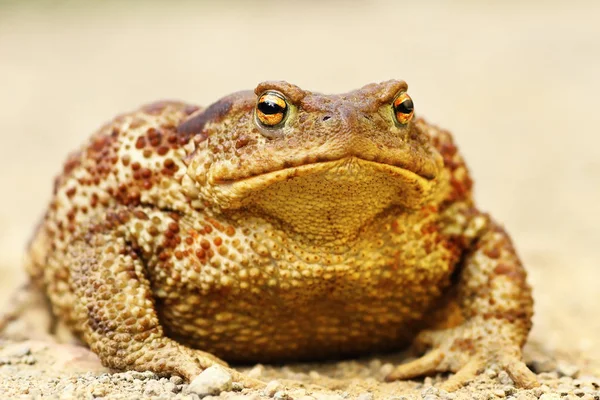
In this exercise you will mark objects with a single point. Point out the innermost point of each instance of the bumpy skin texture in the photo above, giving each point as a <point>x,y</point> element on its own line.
<point>177,235</point>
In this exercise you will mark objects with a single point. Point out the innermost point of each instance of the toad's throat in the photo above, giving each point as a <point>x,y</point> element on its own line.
<point>332,200</point>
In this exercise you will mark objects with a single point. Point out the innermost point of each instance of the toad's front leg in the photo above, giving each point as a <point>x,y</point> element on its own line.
<point>489,313</point>
<point>117,315</point>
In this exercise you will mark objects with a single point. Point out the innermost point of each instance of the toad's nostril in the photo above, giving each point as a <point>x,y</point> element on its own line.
<point>325,118</point>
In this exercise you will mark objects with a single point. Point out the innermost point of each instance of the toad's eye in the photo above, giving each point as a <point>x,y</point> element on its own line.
<point>403,108</point>
<point>271,109</point>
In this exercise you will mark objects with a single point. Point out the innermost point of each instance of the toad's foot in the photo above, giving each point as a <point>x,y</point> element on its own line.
<point>166,356</point>
<point>468,351</point>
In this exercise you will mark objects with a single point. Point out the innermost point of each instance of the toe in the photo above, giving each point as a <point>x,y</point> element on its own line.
<point>246,380</point>
<point>520,373</point>
<point>467,373</point>
<point>421,366</point>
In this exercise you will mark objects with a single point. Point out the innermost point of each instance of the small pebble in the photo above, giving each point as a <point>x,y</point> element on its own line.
<point>295,393</point>
<point>325,396</point>
<point>446,395</point>
<point>281,395</point>
<point>212,381</point>
<point>272,387</point>
<point>170,387</point>
<point>365,396</point>
<point>550,396</point>
<point>540,390</point>
<point>153,388</point>
<point>569,370</point>
<point>386,369</point>
<point>491,373</point>
<point>256,372</point>
<point>525,396</point>
<point>543,365</point>
<point>17,351</point>
<point>176,380</point>
<point>590,381</point>
<point>243,397</point>
<point>29,360</point>
<point>504,378</point>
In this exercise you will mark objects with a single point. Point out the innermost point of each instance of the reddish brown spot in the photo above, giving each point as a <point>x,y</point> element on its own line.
<point>218,241</point>
<point>140,143</point>
<point>100,143</point>
<point>428,229</point>
<point>242,142</point>
<point>396,228</point>
<point>216,224</point>
<point>503,269</point>
<point>200,253</point>
<point>173,227</point>
<point>463,345</point>
<point>172,138</point>
<point>73,161</point>
<point>510,271</point>
<point>145,173</point>
<point>154,136</point>
<point>205,244</point>
<point>135,166</point>
<point>147,153</point>
<point>162,150</point>
<point>163,256</point>
<point>230,231</point>
<point>141,215</point>
<point>71,192</point>
<point>492,253</point>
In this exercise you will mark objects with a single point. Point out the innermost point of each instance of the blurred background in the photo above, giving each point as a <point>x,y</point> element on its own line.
<point>517,82</point>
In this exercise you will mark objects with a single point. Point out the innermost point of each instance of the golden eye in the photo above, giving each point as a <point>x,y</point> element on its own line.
<point>403,108</point>
<point>271,108</point>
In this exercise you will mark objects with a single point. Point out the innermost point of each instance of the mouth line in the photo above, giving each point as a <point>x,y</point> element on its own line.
<point>289,171</point>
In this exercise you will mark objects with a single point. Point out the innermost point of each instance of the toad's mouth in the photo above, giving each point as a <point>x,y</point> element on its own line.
<point>349,176</point>
<point>424,170</point>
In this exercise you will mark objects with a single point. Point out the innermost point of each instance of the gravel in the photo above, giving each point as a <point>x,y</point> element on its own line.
<point>82,376</point>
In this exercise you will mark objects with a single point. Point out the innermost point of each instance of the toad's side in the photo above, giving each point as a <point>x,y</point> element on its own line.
<point>280,225</point>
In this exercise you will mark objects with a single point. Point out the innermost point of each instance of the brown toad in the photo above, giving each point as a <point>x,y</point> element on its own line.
<point>278,225</point>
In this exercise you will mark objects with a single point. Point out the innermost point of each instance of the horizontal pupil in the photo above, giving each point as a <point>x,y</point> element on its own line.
<point>269,107</point>
<point>406,107</point>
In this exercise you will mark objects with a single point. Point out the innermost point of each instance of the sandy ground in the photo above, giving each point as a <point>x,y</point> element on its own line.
<point>517,82</point>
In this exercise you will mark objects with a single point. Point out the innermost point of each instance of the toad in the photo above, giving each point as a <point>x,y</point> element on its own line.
<point>281,224</point>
